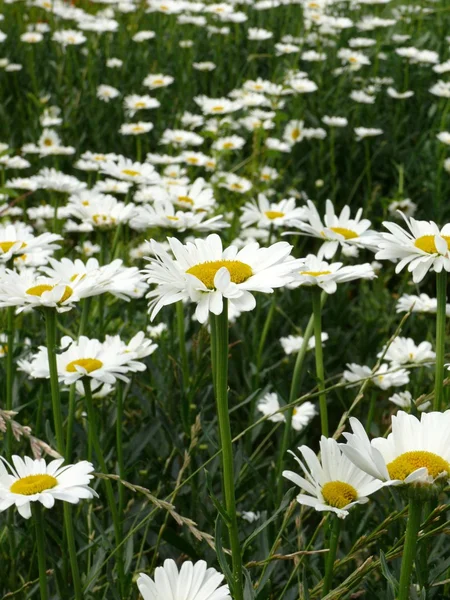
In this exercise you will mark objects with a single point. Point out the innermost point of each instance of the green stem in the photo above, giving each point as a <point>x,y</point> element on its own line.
<point>441,293</point>
<point>50,325</point>
<point>40,542</point>
<point>317,313</point>
<point>293,394</point>
<point>409,549</point>
<point>93,436</point>
<point>331,556</point>
<point>119,444</point>
<point>11,311</point>
<point>185,402</point>
<point>219,356</point>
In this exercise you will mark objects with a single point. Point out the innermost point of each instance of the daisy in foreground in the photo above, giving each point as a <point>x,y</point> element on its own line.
<point>415,453</point>
<point>422,248</point>
<point>333,484</point>
<point>34,481</point>
<point>204,273</point>
<point>191,582</point>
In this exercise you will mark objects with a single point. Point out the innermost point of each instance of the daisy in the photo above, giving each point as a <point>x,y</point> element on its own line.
<point>103,361</point>
<point>334,483</point>
<point>26,289</point>
<point>217,106</point>
<point>417,452</point>
<point>34,481</point>
<point>270,214</point>
<point>157,81</point>
<point>293,132</point>
<point>385,377</point>
<point>315,271</point>
<point>421,304</point>
<point>231,142</point>
<point>422,248</point>
<point>199,196</point>
<point>18,239</point>
<point>163,214</point>
<point>101,211</point>
<point>204,273</point>
<point>292,343</point>
<point>302,414</point>
<point>404,350</point>
<point>127,170</point>
<point>192,581</point>
<point>405,400</point>
<point>135,128</point>
<point>336,230</point>
<point>135,102</point>
<point>107,92</point>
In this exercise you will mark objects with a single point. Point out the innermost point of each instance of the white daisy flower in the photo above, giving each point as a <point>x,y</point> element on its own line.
<point>334,483</point>
<point>421,304</point>
<point>385,377</point>
<point>192,581</point>
<point>404,350</point>
<point>34,481</point>
<point>302,414</point>
<point>292,343</point>
<point>17,239</point>
<point>100,211</point>
<point>157,80</point>
<point>416,452</point>
<point>135,128</point>
<point>315,271</point>
<point>103,361</point>
<point>336,230</point>
<point>204,273</point>
<point>405,400</point>
<point>127,170</point>
<point>29,290</point>
<point>163,214</point>
<point>422,248</point>
<point>271,214</point>
<point>107,92</point>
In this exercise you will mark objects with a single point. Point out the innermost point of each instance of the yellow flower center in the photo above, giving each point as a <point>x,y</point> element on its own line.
<point>140,105</point>
<point>217,108</point>
<point>88,364</point>
<point>77,275</point>
<point>48,142</point>
<point>6,246</point>
<point>239,271</point>
<point>236,186</point>
<point>426,243</point>
<point>130,172</point>
<point>315,273</point>
<point>228,145</point>
<point>158,82</point>
<point>33,484</point>
<point>352,59</point>
<point>339,494</point>
<point>38,290</point>
<point>137,128</point>
<point>192,160</point>
<point>295,134</point>
<point>185,199</point>
<point>408,462</point>
<point>347,233</point>
<point>274,214</point>
<point>172,218</point>
<point>103,220</point>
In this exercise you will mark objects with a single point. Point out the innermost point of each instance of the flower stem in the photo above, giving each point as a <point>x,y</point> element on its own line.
<point>40,542</point>
<point>441,293</point>
<point>10,373</point>
<point>219,356</point>
<point>185,402</point>
<point>409,549</point>
<point>50,325</point>
<point>331,556</point>
<point>93,436</point>
<point>119,447</point>
<point>317,313</point>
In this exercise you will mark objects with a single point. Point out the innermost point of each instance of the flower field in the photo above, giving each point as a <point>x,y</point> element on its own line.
<point>224,258</point>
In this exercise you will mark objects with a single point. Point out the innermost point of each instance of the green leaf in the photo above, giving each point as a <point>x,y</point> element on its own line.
<point>392,581</point>
<point>221,554</point>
